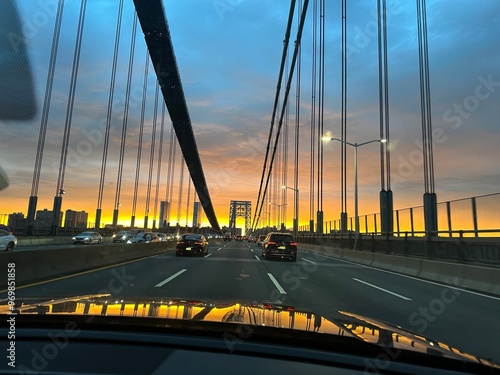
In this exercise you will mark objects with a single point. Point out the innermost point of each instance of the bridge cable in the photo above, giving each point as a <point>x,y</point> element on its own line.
<point>312,167</point>
<point>158,170</point>
<point>123,140</point>
<point>44,119</point>
<point>139,145</point>
<point>47,99</point>
<point>67,125</point>
<point>151,156</point>
<point>343,150</point>
<point>109,114</point>
<point>275,106</point>
<point>287,91</point>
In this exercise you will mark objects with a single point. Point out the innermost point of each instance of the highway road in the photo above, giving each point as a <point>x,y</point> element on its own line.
<point>235,271</point>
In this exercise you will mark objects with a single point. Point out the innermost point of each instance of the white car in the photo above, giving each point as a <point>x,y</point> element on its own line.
<point>7,240</point>
<point>87,237</point>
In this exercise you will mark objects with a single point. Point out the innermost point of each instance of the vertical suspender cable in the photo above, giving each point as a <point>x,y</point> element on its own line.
<point>261,199</point>
<point>109,116</point>
<point>181,186</point>
<point>151,155</point>
<point>125,112</point>
<point>297,132</point>
<point>44,121</point>
<point>56,219</point>
<point>381,88</point>
<point>287,92</point>
<point>168,188</point>
<point>343,152</point>
<point>386,103</point>
<point>427,98</point>
<point>321,102</point>
<point>158,170</point>
<point>312,168</point>
<point>139,145</point>
<point>171,181</point>
<point>71,99</point>
<point>188,202</point>
<point>47,99</point>
<point>285,164</point>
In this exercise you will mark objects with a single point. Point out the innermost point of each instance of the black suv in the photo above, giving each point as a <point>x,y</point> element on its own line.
<point>279,245</point>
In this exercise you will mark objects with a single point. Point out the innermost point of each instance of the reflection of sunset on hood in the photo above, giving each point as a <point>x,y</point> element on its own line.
<point>229,67</point>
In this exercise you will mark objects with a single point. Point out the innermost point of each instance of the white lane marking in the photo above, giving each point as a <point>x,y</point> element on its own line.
<point>170,278</point>
<point>382,289</point>
<point>307,260</point>
<point>256,257</point>
<point>251,250</point>
<point>411,277</point>
<point>276,284</point>
<point>206,256</point>
<point>220,248</point>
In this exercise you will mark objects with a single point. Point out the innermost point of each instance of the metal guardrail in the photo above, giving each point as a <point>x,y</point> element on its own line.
<point>474,215</point>
<point>461,249</point>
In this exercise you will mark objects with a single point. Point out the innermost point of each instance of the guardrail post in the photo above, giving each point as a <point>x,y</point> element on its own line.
<point>474,216</point>
<point>406,244</point>
<point>387,244</point>
<point>448,214</point>
<point>461,248</point>
<point>428,246</point>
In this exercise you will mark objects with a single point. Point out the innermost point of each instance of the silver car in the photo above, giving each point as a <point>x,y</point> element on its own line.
<point>144,237</point>
<point>7,240</point>
<point>87,237</point>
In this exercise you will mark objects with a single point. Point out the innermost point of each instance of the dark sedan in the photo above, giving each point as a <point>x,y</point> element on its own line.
<point>192,244</point>
<point>279,245</point>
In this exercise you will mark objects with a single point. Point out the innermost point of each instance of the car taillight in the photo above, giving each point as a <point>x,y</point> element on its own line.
<point>271,243</point>
<point>293,243</point>
<point>198,243</point>
<point>180,242</point>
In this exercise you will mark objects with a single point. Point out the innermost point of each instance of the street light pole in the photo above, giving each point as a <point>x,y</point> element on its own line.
<point>355,145</point>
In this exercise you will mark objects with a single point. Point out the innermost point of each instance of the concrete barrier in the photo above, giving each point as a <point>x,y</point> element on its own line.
<point>478,278</point>
<point>33,265</point>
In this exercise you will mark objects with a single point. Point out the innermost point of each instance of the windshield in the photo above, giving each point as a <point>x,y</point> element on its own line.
<point>191,237</point>
<point>281,238</point>
<point>370,141</point>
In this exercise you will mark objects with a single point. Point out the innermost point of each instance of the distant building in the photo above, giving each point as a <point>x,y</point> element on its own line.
<point>163,220</point>
<point>16,220</point>
<point>76,219</point>
<point>44,218</point>
<point>196,215</point>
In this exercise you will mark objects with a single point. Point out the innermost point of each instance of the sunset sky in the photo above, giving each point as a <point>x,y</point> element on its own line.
<point>228,53</point>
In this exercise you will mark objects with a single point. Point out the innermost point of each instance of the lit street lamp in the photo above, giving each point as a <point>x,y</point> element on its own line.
<point>355,145</point>
<point>296,209</point>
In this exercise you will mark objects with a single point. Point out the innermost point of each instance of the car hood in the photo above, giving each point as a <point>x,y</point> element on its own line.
<point>265,314</point>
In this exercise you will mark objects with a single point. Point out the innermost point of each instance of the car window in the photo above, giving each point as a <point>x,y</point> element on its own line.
<point>192,237</point>
<point>281,237</point>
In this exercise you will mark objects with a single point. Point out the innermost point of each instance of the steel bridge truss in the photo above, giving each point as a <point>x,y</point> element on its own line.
<point>239,209</point>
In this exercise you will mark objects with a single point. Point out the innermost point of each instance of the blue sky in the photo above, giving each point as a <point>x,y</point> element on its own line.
<point>228,52</point>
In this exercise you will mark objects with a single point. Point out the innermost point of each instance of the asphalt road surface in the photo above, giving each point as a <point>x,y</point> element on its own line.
<point>236,272</point>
